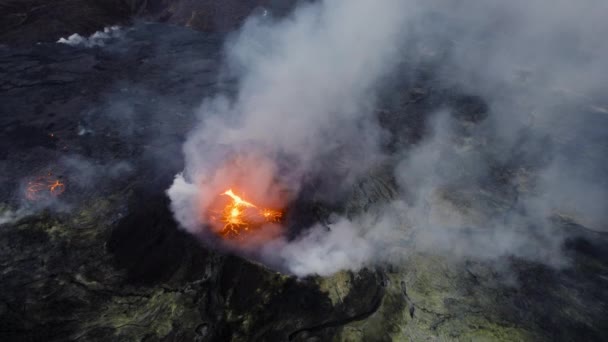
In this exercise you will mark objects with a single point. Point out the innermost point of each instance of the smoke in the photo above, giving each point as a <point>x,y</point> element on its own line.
<point>79,177</point>
<point>496,188</point>
<point>476,180</point>
<point>305,90</point>
<point>97,39</point>
<point>8,215</point>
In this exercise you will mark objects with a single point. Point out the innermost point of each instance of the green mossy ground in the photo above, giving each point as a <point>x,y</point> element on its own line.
<point>72,281</point>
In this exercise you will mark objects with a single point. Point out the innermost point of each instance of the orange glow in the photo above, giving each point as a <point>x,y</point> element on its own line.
<point>240,216</point>
<point>237,200</point>
<point>43,186</point>
<point>272,215</point>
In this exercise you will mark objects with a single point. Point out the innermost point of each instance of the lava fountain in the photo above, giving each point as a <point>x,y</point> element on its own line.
<point>239,197</point>
<point>239,216</point>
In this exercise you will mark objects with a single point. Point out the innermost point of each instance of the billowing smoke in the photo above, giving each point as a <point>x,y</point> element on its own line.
<point>306,90</point>
<point>500,187</point>
<point>486,181</point>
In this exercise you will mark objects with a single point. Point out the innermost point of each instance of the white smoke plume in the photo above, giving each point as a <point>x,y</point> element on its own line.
<point>308,88</point>
<point>97,39</point>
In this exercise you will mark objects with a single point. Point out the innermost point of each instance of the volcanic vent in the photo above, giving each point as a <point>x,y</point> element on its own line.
<point>239,216</point>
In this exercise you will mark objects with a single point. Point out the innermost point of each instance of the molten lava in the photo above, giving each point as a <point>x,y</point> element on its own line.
<point>44,186</point>
<point>240,216</point>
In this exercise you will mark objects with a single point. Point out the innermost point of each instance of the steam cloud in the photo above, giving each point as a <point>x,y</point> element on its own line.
<point>97,39</point>
<point>308,89</point>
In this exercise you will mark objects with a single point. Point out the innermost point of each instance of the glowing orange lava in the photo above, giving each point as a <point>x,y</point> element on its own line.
<point>240,216</point>
<point>44,186</point>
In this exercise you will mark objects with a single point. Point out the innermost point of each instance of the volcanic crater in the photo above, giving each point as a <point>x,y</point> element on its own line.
<point>106,260</point>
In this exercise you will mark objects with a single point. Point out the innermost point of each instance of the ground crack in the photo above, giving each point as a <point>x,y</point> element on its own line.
<point>376,303</point>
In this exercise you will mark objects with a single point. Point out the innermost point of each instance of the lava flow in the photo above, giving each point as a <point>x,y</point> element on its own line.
<point>44,186</point>
<point>240,216</point>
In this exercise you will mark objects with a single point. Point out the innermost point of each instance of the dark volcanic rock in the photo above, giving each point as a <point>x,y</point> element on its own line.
<point>26,22</point>
<point>128,101</point>
<point>208,15</point>
<point>106,260</point>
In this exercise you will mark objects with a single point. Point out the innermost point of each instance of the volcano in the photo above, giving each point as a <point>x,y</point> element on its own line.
<point>420,237</point>
<point>239,216</point>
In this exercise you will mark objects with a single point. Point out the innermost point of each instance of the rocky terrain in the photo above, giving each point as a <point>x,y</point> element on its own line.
<point>24,22</point>
<point>105,261</point>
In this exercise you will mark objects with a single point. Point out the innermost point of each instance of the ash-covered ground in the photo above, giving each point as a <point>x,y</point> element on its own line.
<point>106,260</point>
